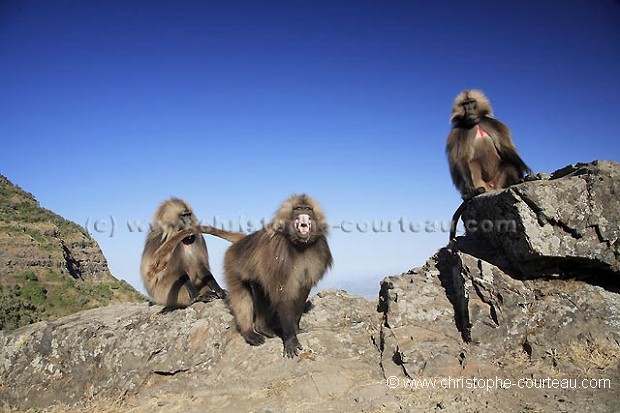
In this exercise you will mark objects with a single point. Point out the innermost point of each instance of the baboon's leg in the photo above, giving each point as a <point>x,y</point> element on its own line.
<point>301,304</point>
<point>288,321</point>
<point>508,175</point>
<point>242,307</point>
<point>476,176</point>
<point>176,292</point>
<point>263,311</point>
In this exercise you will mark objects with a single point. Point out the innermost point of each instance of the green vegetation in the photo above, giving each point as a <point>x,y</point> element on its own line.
<point>17,310</point>
<point>30,292</point>
<point>19,206</point>
<point>55,295</point>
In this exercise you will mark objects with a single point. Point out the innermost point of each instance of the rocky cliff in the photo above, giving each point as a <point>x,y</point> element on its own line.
<point>525,320</point>
<point>564,223</point>
<point>49,266</point>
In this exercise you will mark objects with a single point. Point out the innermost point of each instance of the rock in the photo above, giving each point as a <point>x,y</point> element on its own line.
<point>111,350</point>
<point>136,351</point>
<point>566,224</point>
<point>475,322</point>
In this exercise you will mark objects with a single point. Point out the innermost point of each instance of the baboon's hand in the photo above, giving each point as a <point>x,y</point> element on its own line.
<point>210,296</point>
<point>206,297</point>
<point>291,347</point>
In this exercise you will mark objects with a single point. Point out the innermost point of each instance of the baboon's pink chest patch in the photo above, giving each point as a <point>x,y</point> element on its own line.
<point>480,133</point>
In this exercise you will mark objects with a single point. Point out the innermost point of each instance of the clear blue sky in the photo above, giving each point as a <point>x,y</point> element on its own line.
<point>109,107</point>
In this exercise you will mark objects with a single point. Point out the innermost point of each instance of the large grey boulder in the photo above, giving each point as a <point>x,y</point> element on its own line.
<point>194,358</point>
<point>110,350</point>
<point>564,223</point>
<point>462,318</point>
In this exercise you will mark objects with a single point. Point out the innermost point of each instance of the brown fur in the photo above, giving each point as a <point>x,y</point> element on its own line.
<point>488,162</point>
<point>269,273</point>
<point>175,261</point>
<point>161,257</point>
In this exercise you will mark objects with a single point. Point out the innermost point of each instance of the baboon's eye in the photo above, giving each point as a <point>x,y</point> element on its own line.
<point>469,105</point>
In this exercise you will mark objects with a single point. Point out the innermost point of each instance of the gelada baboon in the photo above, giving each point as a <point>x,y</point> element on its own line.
<point>269,273</point>
<point>175,262</point>
<point>480,151</point>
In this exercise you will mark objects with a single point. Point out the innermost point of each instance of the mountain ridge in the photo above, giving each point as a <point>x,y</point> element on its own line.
<point>49,266</point>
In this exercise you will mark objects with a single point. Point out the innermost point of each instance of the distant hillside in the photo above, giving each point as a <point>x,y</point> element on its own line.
<point>49,266</point>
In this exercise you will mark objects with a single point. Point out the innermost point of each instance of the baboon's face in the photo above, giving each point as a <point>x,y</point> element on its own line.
<point>303,223</point>
<point>469,109</point>
<point>179,217</point>
<point>173,216</point>
<point>468,112</point>
<point>186,218</point>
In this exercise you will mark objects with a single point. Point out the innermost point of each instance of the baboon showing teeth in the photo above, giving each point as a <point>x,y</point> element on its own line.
<point>270,273</point>
<point>175,261</point>
<point>480,151</point>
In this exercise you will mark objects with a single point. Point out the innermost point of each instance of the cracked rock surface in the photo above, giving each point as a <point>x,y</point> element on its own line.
<point>528,322</point>
<point>564,223</point>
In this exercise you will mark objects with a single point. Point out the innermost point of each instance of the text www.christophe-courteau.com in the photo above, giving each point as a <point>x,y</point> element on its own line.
<point>496,383</point>
<point>109,225</point>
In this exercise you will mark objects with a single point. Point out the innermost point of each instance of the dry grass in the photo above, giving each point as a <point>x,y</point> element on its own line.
<point>594,353</point>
